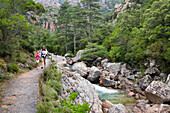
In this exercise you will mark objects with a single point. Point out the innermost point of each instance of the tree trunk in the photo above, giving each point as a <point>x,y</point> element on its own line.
<point>90,33</point>
<point>90,26</point>
<point>74,40</point>
<point>66,37</point>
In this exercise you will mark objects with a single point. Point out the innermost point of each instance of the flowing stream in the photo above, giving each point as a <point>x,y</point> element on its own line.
<point>115,96</point>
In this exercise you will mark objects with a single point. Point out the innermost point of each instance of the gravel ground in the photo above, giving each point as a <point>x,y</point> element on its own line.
<point>21,93</point>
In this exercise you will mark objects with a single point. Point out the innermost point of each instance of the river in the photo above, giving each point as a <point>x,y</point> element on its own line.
<point>114,95</point>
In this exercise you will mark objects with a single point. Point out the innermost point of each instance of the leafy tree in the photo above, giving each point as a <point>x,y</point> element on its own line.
<point>14,26</point>
<point>141,34</point>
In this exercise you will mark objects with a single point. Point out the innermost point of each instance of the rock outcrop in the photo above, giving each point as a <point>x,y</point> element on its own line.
<point>158,92</point>
<point>144,82</point>
<point>113,68</point>
<point>74,82</point>
<point>108,83</point>
<point>118,108</point>
<point>94,74</point>
<point>81,68</point>
<point>78,56</point>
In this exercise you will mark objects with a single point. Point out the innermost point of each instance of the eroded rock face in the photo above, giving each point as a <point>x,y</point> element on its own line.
<point>103,62</point>
<point>73,82</point>
<point>118,108</point>
<point>81,68</point>
<point>113,68</point>
<point>94,74</point>
<point>152,71</point>
<point>125,83</point>
<point>124,70</point>
<point>158,92</point>
<point>78,56</point>
<point>144,82</point>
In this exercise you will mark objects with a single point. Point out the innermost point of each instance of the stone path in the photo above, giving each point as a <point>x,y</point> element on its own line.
<point>21,93</point>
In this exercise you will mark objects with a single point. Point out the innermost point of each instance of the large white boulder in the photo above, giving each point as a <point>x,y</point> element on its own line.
<point>94,74</point>
<point>81,68</point>
<point>158,92</point>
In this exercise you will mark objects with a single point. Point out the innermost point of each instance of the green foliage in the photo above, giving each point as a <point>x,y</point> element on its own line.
<point>21,60</point>
<point>44,107</point>
<point>14,27</point>
<point>76,108</point>
<point>30,67</point>
<point>49,92</point>
<point>12,68</point>
<point>141,34</point>
<point>64,18</point>
<point>92,52</point>
<point>55,84</point>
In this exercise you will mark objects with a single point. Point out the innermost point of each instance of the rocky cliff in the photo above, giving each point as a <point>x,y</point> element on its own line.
<point>73,81</point>
<point>49,18</point>
<point>57,3</point>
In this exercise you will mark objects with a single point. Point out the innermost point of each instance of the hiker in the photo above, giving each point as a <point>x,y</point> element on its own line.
<point>43,56</point>
<point>37,56</point>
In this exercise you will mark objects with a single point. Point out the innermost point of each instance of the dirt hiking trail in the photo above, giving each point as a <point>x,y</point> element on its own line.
<point>21,93</point>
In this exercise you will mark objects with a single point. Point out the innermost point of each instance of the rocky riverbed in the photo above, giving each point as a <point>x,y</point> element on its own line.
<point>151,89</point>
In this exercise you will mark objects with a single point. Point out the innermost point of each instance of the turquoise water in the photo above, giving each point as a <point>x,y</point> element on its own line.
<point>113,95</point>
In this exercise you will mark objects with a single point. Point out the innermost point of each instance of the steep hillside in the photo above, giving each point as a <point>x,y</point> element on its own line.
<point>49,18</point>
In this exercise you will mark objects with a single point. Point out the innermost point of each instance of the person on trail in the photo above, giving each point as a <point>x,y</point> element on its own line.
<point>37,56</point>
<point>43,56</point>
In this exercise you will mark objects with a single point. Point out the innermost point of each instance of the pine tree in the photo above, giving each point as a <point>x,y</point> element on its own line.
<point>64,18</point>
<point>76,21</point>
<point>91,8</point>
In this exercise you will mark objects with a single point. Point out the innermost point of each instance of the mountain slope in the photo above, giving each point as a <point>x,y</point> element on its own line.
<point>49,18</point>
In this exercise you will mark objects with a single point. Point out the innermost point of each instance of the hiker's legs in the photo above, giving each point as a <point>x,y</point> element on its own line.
<point>44,62</point>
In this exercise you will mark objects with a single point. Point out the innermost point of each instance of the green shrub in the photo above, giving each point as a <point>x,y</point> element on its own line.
<point>21,60</point>
<point>33,59</point>
<point>63,110</point>
<point>52,73</point>
<point>93,51</point>
<point>30,67</point>
<point>75,108</point>
<point>8,76</point>
<point>55,84</point>
<point>49,92</point>
<point>44,107</point>
<point>12,68</point>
